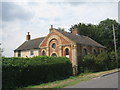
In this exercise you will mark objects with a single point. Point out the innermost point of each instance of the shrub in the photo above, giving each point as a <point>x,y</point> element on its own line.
<point>118,62</point>
<point>18,72</point>
<point>89,61</point>
<point>113,62</point>
<point>100,62</point>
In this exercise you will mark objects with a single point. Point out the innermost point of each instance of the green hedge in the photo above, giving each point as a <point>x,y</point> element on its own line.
<point>100,62</point>
<point>18,72</point>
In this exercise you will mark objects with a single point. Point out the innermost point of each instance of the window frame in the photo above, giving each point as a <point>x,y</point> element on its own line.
<point>84,51</point>
<point>31,52</point>
<point>55,55</point>
<point>19,53</point>
<point>54,45</point>
<point>94,51</point>
<point>43,53</point>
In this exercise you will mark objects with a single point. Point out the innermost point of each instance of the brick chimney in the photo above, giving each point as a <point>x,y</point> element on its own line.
<point>28,36</point>
<point>75,31</point>
<point>51,28</point>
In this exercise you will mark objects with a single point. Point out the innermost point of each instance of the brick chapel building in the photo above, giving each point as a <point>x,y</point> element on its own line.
<point>60,43</point>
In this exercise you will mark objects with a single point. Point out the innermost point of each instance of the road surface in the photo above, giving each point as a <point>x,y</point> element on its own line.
<point>107,81</point>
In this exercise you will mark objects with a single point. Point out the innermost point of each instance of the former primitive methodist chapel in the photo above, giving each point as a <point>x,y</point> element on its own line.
<point>60,43</point>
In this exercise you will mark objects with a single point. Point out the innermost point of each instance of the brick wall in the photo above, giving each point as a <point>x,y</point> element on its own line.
<point>61,44</point>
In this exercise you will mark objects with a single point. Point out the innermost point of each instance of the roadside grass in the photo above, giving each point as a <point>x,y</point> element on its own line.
<point>71,80</point>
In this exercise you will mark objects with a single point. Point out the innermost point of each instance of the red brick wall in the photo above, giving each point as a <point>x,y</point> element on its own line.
<point>63,41</point>
<point>54,33</point>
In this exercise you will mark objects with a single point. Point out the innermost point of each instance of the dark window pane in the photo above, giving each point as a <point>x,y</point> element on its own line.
<point>54,55</point>
<point>54,45</point>
<point>43,53</point>
<point>31,52</point>
<point>66,51</point>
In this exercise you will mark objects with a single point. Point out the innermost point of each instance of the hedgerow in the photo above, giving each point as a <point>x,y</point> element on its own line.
<point>19,72</point>
<point>100,62</point>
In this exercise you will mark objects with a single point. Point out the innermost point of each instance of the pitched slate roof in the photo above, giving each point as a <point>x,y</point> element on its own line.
<point>30,44</point>
<point>80,39</point>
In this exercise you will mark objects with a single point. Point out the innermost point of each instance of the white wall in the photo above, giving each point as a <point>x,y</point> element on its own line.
<point>26,53</point>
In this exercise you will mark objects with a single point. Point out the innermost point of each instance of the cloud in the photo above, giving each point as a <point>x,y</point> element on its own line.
<point>11,12</point>
<point>37,17</point>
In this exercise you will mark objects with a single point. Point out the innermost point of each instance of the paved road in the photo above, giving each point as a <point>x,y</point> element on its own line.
<point>108,81</point>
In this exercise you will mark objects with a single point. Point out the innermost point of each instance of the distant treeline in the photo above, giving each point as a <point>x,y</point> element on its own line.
<point>102,33</point>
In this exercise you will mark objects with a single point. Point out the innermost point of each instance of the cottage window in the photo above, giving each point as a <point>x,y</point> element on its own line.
<point>84,51</point>
<point>54,55</point>
<point>31,52</point>
<point>94,51</point>
<point>53,45</point>
<point>67,52</point>
<point>19,53</point>
<point>101,50</point>
<point>43,53</point>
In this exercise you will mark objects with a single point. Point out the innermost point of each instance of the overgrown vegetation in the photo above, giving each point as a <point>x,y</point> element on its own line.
<point>18,72</point>
<point>100,62</point>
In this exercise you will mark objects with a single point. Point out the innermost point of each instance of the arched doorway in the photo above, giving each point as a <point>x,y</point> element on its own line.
<point>54,55</point>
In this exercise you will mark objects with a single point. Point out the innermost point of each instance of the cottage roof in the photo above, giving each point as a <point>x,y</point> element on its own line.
<point>79,39</point>
<point>30,44</point>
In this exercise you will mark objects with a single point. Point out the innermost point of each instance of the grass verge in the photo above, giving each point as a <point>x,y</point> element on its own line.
<point>72,80</point>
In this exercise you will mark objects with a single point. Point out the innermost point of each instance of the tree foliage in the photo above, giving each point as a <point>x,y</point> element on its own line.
<point>100,62</point>
<point>102,33</point>
<point>62,29</point>
<point>1,51</point>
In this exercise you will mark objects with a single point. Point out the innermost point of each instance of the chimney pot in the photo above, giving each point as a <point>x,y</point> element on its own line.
<point>75,31</point>
<point>51,28</point>
<point>28,36</point>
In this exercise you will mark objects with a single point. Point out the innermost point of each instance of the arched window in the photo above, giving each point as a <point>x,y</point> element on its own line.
<point>84,52</point>
<point>43,53</point>
<point>101,50</point>
<point>54,55</point>
<point>67,52</point>
<point>94,51</point>
<point>53,45</point>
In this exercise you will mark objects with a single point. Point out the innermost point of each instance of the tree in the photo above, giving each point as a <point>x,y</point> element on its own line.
<point>102,33</point>
<point>1,51</point>
<point>62,29</point>
<point>106,33</point>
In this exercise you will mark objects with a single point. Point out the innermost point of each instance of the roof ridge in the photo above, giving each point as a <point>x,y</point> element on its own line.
<point>37,38</point>
<point>70,33</point>
<point>81,39</point>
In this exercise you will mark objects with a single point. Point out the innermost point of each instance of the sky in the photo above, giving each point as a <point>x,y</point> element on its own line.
<point>36,17</point>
